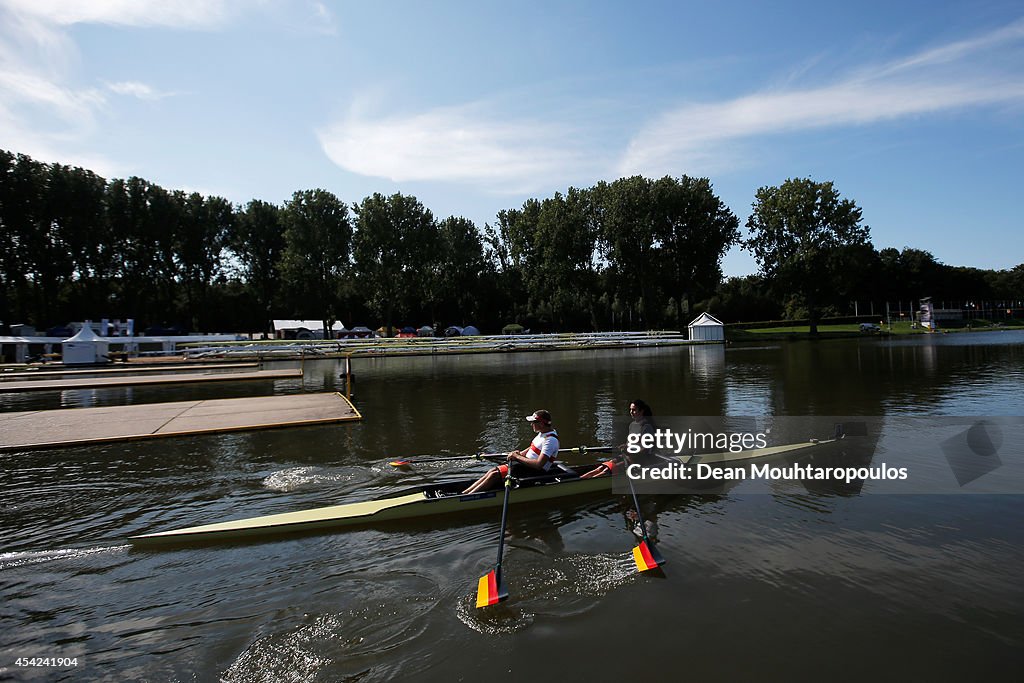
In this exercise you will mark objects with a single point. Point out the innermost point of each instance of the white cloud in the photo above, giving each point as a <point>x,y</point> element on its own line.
<point>37,107</point>
<point>691,134</point>
<point>944,54</point>
<point>322,20</point>
<point>42,111</point>
<point>940,79</point>
<point>464,144</point>
<point>39,112</point>
<point>473,145</point>
<point>191,14</point>
<point>72,105</point>
<point>139,90</point>
<point>51,146</point>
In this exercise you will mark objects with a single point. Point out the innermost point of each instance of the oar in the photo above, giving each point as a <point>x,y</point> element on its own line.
<point>491,456</point>
<point>474,456</point>
<point>490,588</point>
<point>646,554</point>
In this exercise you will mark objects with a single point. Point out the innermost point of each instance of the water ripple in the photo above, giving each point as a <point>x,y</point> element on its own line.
<point>350,645</point>
<point>566,588</point>
<point>20,559</point>
<point>296,477</point>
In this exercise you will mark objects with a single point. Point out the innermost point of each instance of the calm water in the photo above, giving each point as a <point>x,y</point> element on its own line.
<point>797,585</point>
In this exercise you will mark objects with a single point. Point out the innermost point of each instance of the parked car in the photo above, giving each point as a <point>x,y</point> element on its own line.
<point>869,328</point>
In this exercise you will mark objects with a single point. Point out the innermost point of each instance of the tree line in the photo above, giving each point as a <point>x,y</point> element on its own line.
<point>635,253</point>
<point>889,277</point>
<point>816,259</point>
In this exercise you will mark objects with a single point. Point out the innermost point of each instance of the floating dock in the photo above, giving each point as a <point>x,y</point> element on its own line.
<point>139,380</point>
<point>51,371</point>
<point>85,426</point>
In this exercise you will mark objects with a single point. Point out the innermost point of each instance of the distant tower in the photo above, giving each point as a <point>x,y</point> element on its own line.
<point>926,314</point>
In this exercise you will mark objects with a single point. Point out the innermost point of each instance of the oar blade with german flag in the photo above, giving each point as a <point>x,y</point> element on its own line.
<point>647,556</point>
<point>490,589</point>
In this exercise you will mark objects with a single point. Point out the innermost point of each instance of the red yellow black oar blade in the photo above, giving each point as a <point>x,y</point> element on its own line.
<point>490,590</point>
<point>647,556</point>
<point>400,463</point>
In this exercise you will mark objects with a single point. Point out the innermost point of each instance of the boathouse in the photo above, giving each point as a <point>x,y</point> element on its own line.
<point>706,328</point>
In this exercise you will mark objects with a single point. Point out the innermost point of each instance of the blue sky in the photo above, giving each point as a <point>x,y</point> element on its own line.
<point>914,109</point>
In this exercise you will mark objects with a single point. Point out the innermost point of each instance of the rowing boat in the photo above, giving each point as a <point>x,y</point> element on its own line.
<point>422,501</point>
<point>432,500</point>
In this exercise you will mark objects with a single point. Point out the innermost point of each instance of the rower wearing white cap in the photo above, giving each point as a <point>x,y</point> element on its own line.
<point>535,459</point>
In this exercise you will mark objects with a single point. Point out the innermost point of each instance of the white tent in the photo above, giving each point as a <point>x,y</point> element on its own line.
<point>706,327</point>
<point>84,348</point>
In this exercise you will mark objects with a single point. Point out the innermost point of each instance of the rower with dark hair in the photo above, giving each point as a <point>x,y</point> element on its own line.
<point>533,460</point>
<point>645,527</point>
<point>643,423</point>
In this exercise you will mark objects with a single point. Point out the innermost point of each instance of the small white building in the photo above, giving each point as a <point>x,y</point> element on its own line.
<point>305,329</point>
<point>85,348</point>
<point>706,328</point>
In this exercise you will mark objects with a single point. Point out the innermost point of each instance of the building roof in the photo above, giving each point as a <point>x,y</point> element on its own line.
<point>85,335</point>
<point>306,324</point>
<point>705,319</point>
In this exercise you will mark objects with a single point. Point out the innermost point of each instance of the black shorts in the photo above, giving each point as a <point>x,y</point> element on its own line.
<point>521,471</point>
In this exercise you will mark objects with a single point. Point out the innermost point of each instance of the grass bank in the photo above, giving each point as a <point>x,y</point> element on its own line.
<point>852,330</point>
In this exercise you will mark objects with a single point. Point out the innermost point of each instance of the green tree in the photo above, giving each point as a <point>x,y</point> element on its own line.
<point>544,254</point>
<point>317,253</point>
<point>87,233</point>
<point>395,236</point>
<point>21,187</point>
<point>460,267</point>
<point>624,212</point>
<point>1008,284</point>
<point>47,245</point>
<point>694,229</point>
<point>144,220</point>
<point>9,270</point>
<point>162,221</point>
<point>125,207</point>
<point>512,239</point>
<point>202,237</point>
<point>563,275</point>
<point>799,232</point>
<point>744,299</point>
<point>919,273</point>
<point>506,264</point>
<point>257,242</point>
